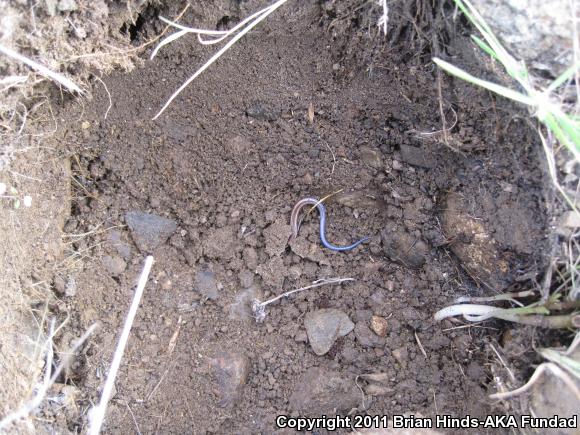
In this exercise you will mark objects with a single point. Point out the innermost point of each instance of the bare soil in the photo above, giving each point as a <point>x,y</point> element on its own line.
<point>311,103</point>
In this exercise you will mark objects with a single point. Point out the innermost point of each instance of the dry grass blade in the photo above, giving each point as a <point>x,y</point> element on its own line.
<point>216,56</point>
<point>97,413</point>
<point>41,69</point>
<point>49,379</point>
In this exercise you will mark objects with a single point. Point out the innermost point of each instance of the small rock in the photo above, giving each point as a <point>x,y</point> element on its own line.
<point>417,157</point>
<point>324,327</point>
<point>401,355</point>
<point>365,336</point>
<point>371,157</point>
<point>260,111</point>
<point>149,230</point>
<point>205,283</point>
<point>358,199</point>
<point>307,179</point>
<point>114,265</point>
<point>230,370</point>
<point>402,247</point>
<point>70,288</point>
<point>321,391</point>
<point>379,325</point>
<point>397,166</point>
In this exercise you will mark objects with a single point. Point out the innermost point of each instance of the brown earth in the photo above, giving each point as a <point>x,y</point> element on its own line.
<point>208,189</point>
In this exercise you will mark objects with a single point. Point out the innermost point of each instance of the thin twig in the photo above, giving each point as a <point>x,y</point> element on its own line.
<point>109,95</point>
<point>134,419</point>
<point>97,413</point>
<point>557,371</point>
<point>512,377</point>
<point>216,56</point>
<point>49,380</point>
<point>41,69</point>
<point>420,345</point>
<point>259,308</point>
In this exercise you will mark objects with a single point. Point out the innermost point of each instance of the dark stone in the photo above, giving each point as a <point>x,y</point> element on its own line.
<point>404,248</point>
<point>230,370</point>
<point>417,157</point>
<point>149,230</point>
<point>260,111</point>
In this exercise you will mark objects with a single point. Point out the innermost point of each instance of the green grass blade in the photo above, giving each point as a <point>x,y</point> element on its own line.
<point>498,89</point>
<point>562,137</point>
<point>564,77</point>
<point>514,68</point>
<point>483,45</point>
<point>570,128</point>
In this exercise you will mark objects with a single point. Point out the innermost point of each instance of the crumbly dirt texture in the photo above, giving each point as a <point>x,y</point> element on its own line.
<point>315,102</point>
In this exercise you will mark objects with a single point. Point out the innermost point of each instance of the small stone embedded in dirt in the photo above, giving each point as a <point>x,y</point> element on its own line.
<point>262,112</point>
<point>404,248</point>
<point>230,370</point>
<point>206,284</point>
<point>358,199</point>
<point>371,157</point>
<point>149,230</point>
<point>320,391</point>
<point>365,336</point>
<point>401,355</point>
<point>221,243</point>
<point>277,235</point>
<point>324,327</point>
<point>114,265</point>
<point>379,325</point>
<point>417,157</point>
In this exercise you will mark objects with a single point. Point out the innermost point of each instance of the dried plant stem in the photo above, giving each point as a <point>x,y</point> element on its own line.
<point>97,413</point>
<point>259,307</point>
<point>41,69</point>
<point>49,379</point>
<point>216,56</point>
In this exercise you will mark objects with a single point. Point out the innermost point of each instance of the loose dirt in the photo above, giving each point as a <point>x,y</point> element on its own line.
<point>312,103</point>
